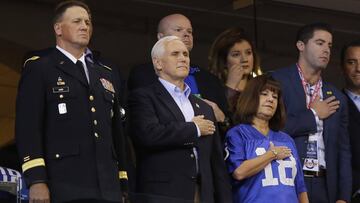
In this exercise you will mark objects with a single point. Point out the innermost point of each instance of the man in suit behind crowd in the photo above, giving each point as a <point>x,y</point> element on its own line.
<point>317,117</point>
<point>350,62</point>
<point>201,82</point>
<point>68,122</point>
<point>178,149</point>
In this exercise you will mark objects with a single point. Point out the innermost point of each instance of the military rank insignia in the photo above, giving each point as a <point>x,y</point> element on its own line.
<point>107,85</point>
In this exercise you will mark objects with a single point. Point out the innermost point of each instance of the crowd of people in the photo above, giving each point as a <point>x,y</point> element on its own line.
<point>184,133</point>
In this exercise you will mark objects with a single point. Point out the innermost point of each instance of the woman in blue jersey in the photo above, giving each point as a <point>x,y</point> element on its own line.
<point>262,160</point>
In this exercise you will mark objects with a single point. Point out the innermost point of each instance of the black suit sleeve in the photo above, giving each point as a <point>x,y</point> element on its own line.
<point>221,180</point>
<point>29,123</point>
<point>211,88</point>
<point>121,144</point>
<point>345,178</point>
<point>299,122</point>
<point>119,140</point>
<point>147,128</point>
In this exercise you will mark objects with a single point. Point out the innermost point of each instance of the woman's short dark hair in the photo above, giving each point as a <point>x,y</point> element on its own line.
<point>248,102</point>
<point>221,47</point>
<point>62,6</point>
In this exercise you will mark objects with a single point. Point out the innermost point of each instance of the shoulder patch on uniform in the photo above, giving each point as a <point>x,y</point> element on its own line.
<point>105,66</point>
<point>33,58</point>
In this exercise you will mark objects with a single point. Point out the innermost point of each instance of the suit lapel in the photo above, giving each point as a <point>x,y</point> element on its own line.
<point>67,66</point>
<point>168,101</point>
<point>327,92</point>
<point>297,84</point>
<point>195,105</point>
<point>354,113</point>
<point>199,82</point>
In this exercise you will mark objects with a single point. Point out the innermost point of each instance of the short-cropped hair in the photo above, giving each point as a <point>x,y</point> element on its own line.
<point>158,49</point>
<point>248,103</point>
<point>306,32</point>
<point>344,49</point>
<point>62,6</point>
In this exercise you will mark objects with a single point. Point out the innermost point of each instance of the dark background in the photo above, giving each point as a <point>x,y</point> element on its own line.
<point>125,30</point>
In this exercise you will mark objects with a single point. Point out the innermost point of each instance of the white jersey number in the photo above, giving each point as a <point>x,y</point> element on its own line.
<point>283,164</point>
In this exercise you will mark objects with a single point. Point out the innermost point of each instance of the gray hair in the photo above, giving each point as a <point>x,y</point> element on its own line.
<point>159,48</point>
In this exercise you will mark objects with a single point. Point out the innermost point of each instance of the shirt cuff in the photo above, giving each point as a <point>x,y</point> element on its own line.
<point>317,119</point>
<point>198,130</point>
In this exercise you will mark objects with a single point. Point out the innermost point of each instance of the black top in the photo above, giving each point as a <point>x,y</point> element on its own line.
<point>69,132</point>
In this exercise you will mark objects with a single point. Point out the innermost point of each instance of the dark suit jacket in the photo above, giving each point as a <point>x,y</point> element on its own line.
<point>78,163</point>
<point>301,121</point>
<point>209,86</point>
<point>354,132</point>
<point>164,141</point>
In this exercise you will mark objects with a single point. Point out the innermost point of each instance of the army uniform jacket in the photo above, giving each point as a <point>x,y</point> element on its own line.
<point>67,130</point>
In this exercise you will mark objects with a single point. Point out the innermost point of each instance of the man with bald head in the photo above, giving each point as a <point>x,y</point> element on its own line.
<point>179,155</point>
<point>202,83</point>
<point>177,25</point>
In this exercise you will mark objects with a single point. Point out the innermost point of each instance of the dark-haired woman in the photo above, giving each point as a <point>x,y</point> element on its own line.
<point>233,59</point>
<point>262,160</point>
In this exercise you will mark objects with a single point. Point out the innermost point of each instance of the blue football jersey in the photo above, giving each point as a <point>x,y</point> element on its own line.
<point>12,178</point>
<point>280,181</point>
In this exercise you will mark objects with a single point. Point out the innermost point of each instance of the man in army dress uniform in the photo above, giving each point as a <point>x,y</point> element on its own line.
<point>68,122</point>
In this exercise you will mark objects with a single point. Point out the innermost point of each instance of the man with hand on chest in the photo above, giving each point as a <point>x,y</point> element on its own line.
<point>201,82</point>
<point>317,117</point>
<point>179,154</point>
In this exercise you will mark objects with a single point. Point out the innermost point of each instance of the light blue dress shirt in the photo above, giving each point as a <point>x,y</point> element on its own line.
<point>354,97</point>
